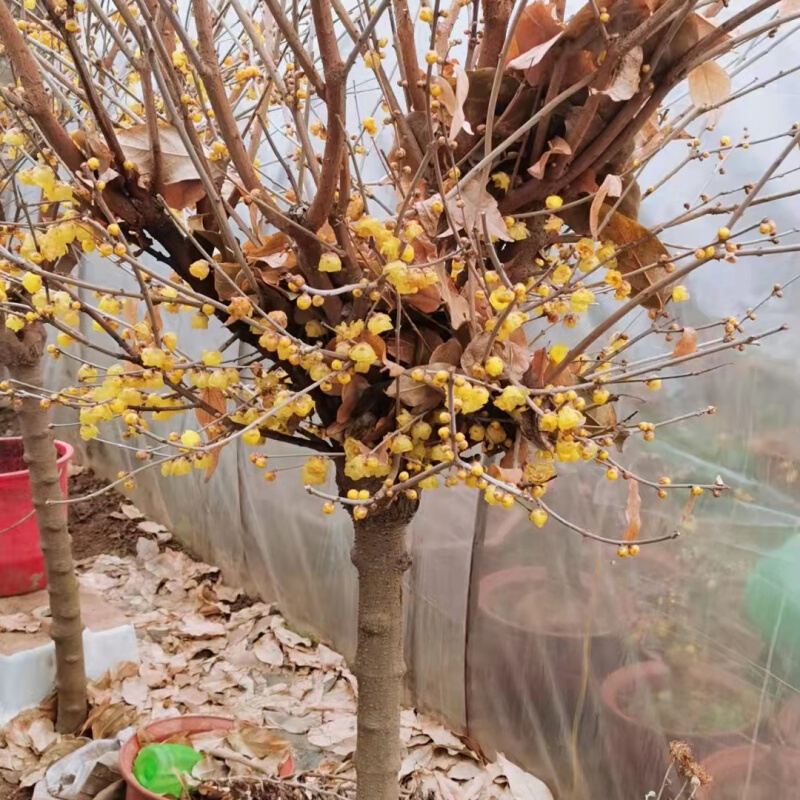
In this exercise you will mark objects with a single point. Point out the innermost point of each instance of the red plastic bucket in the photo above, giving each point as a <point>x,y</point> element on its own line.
<point>21,560</point>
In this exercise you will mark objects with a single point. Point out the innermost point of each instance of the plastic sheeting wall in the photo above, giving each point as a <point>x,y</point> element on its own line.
<point>546,646</point>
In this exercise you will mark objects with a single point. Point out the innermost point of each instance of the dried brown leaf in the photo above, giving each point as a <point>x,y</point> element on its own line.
<point>709,85</point>
<point>268,651</point>
<point>534,375</point>
<point>448,352</point>
<point>214,398</point>
<point>182,185</point>
<point>459,121</point>
<point>351,393</point>
<point>477,203</point>
<point>19,623</point>
<point>530,58</point>
<point>211,468</point>
<point>633,512</point>
<point>426,300</point>
<point>258,742</point>
<point>537,25</point>
<point>610,187</point>
<point>625,81</point>
<point>647,252</point>
<point>457,304</point>
<point>415,394</point>
<point>510,475</point>
<point>687,344</point>
<point>556,146</point>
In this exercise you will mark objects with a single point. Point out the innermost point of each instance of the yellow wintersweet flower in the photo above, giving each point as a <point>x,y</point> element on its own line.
<point>567,451</point>
<point>315,471</point>
<point>363,355</point>
<point>501,297</point>
<point>548,422</point>
<point>581,299</point>
<point>472,397</point>
<point>569,418</point>
<point>680,294</point>
<point>557,353</point>
<point>511,398</point>
<point>153,357</point>
<point>31,282</point>
<point>501,180</point>
<point>378,323</point>
<point>212,358</point>
<point>561,274</point>
<point>191,439</point>
<point>330,262</point>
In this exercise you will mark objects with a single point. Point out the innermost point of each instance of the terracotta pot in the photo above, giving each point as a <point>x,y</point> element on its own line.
<point>774,775</point>
<point>637,748</point>
<point>160,731</point>
<point>526,657</point>
<point>787,725</point>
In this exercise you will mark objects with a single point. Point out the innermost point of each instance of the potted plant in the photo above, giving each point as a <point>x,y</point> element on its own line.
<point>22,568</point>
<point>648,704</point>
<point>751,773</point>
<point>547,640</point>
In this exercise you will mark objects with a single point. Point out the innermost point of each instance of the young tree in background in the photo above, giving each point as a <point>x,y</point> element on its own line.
<point>406,312</point>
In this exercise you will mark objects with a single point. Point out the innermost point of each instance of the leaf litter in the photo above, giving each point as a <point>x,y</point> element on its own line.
<point>293,698</point>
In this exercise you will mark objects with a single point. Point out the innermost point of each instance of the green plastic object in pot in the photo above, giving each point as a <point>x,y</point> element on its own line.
<point>160,768</point>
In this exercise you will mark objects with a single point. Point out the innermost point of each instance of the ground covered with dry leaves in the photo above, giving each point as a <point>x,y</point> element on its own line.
<point>205,648</point>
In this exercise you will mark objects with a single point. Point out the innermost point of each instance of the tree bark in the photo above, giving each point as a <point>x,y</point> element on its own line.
<point>22,355</point>
<point>497,13</point>
<point>381,557</point>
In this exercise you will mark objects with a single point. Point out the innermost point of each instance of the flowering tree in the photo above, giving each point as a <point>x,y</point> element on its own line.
<point>407,310</point>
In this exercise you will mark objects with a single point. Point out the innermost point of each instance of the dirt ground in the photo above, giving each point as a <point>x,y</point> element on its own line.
<point>93,529</point>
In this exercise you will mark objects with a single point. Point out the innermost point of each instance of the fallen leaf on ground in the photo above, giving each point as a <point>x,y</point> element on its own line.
<point>268,651</point>
<point>200,628</point>
<point>19,623</point>
<point>523,785</point>
<point>148,526</point>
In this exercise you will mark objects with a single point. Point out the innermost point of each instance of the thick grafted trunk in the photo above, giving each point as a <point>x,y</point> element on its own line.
<point>381,557</point>
<point>22,356</point>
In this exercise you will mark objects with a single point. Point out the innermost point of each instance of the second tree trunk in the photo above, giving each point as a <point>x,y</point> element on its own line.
<point>22,357</point>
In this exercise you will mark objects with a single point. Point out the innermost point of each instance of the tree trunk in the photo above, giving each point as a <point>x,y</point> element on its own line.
<point>22,356</point>
<point>381,557</point>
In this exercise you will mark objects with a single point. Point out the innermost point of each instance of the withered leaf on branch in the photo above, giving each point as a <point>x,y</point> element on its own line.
<point>625,81</point>
<point>556,146</point>
<point>182,184</point>
<point>632,512</point>
<point>449,352</point>
<point>515,356</point>
<point>610,187</point>
<point>457,305</point>
<point>687,344</point>
<point>415,394</point>
<point>648,252</point>
<point>216,400</point>
<point>477,202</point>
<point>709,85</point>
